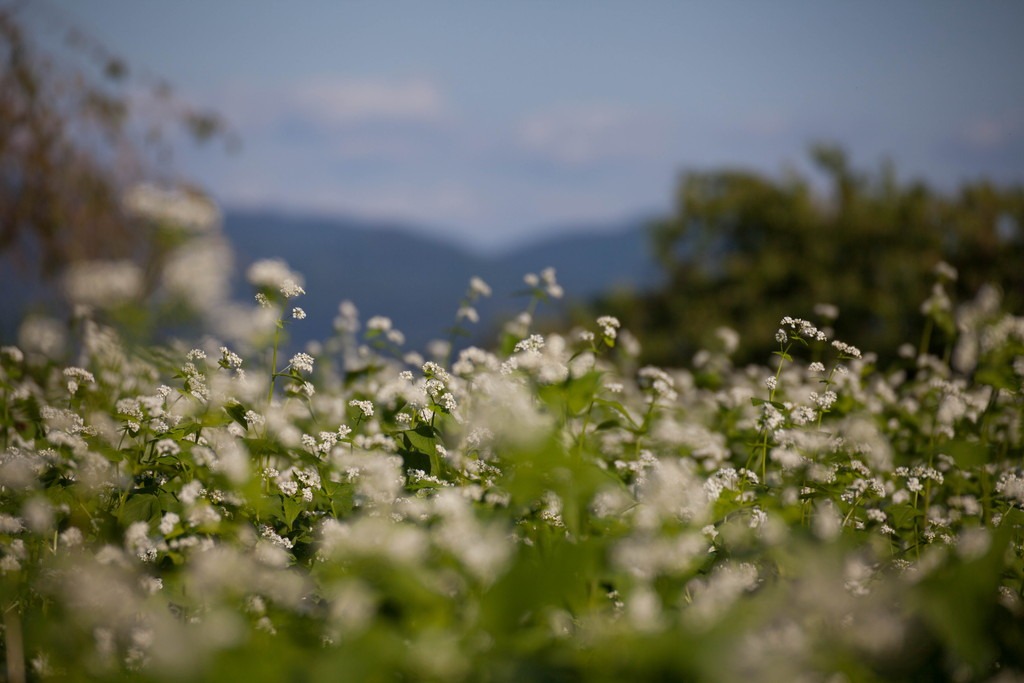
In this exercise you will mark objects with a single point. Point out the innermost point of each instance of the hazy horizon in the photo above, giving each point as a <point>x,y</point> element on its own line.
<point>494,124</point>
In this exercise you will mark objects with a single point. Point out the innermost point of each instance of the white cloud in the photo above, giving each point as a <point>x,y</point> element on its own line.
<point>579,135</point>
<point>346,102</point>
<point>332,104</point>
<point>989,132</point>
<point>445,203</point>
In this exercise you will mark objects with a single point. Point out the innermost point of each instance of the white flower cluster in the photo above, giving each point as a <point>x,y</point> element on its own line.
<point>846,350</point>
<point>302,362</point>
<point>660,382</point>
<point>664,498</point>
<point>177,208</point>
<point>77,376</point>
<point>532,344</point>
<point>382,325</point>
<point>546,283</point>
<point>802,329</point>
<point>103,284</point>
<point>479,287</point>
<point>365,407</point>
<point>275,275</point>
<point>609,326</point>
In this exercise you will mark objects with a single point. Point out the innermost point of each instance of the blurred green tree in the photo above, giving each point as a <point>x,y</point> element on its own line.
<point>743,250</point>
<point>71,141</point>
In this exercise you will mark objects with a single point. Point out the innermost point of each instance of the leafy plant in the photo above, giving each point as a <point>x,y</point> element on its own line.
<point>549,511</point>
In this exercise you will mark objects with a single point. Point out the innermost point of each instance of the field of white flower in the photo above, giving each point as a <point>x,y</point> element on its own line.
<point>543,511</point>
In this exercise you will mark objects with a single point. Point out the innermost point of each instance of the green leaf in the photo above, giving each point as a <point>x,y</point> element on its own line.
<point>292,508</point>
<point>621,410</point>
<point>998,377</point>
<point>959,600</point>
<point>237,413</point>
<point>762,401</point>
<point>422,439</point>
<point>904,515</point>
<point>141,507</point>
<point>579,392</point>
<point>967,453</point>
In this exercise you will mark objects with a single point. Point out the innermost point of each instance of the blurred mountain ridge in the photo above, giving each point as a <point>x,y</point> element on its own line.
<point>392,269</point>
<point>395,270</point>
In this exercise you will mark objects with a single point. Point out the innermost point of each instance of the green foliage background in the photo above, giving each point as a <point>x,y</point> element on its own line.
<point>551,510</point>
<point>744,249</point>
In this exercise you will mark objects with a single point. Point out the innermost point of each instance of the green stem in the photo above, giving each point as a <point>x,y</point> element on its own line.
<point>926,337</point>
<point>14,645</point>
<point>771,397</point>
<point>583,431</point>
<point>853,508</point>
<point>273,364</point>
<point>7,419</point>
<point>917,530</point>
<point>828,385</point>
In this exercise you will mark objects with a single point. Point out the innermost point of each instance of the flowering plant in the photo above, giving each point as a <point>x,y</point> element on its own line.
<point>550,510</point>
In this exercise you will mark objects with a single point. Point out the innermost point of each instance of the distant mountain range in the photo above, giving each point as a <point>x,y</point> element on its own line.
<point>394,270</point>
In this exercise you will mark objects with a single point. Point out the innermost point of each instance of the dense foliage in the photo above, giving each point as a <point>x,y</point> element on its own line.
<point>743,249</point>
<point>552,511</point>
<point>77,126</point>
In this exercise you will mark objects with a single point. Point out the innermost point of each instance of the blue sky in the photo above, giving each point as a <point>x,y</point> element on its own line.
<point>495,122</point>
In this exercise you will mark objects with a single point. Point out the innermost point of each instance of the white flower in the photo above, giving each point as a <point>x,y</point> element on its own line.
<point>803,328</point>
<point>79,374</point>
<point>479,287</point>
<point>168,522</point>
<point>846,349</point>
<point>291,289</point>
<point>103,283</point>
<point>432,369</point>
<point>552,287</point>
<point>945,271</point>
<point>347,320</point>
<point>447,401</point>
<point>532,344</point>
<point>366,407</point>
<point>180,208</point>
<point>824,401</point>
<point>167,447</point>
<point>730,339</point>
<point>828,311</point>
<point>298,313</point>
<point>609,326</point>
<point>467,313</point>
<point>303,362</point>
<point>275,274</point>
<point>76,375</point>
<point>229,358</point>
